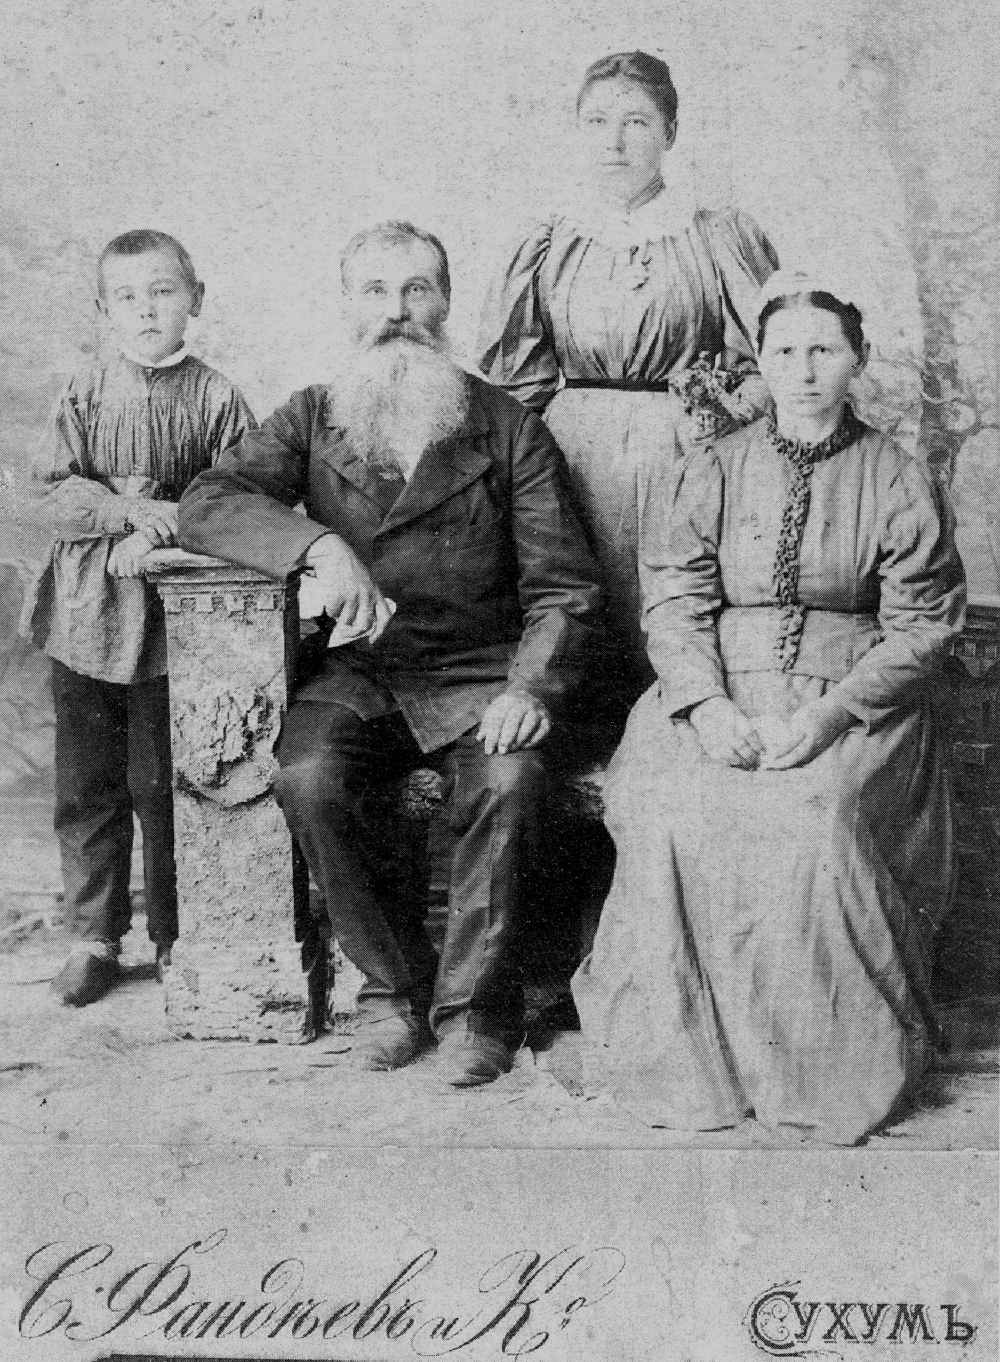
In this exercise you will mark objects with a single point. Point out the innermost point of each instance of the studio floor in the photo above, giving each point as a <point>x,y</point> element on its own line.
<point>112,1072</point>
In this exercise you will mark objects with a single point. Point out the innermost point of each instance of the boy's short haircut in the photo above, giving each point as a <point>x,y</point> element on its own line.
<point>146,239</point>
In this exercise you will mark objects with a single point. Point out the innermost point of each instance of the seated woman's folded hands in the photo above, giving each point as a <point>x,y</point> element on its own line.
<point>726,734</point>
<point>803,735</point>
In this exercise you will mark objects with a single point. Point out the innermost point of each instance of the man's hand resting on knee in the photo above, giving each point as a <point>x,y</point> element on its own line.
<point>512,721</point>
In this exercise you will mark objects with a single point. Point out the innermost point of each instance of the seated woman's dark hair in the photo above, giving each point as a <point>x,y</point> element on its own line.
<point>649,72</point>
<point>850,317</point>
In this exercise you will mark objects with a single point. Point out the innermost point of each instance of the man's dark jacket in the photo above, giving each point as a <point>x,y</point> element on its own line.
<point>481,551</point>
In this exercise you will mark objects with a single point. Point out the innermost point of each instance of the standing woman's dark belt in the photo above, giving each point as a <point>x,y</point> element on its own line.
<point>617,385</point>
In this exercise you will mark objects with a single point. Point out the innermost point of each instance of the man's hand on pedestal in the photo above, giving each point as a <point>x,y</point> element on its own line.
<point>336,582</point>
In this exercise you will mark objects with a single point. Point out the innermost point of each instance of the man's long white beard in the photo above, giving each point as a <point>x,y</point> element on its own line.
<point>397,398</point>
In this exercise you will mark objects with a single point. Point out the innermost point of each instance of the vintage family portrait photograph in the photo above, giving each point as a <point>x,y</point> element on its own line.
<point>500,680</point>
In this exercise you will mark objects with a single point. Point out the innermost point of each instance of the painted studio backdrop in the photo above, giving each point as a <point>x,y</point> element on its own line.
<point>264,135</point>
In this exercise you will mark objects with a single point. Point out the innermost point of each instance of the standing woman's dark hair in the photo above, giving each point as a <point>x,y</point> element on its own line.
<point>649,72</point>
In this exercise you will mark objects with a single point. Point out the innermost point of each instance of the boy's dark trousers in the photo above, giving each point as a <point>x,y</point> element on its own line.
<point>113,758</point>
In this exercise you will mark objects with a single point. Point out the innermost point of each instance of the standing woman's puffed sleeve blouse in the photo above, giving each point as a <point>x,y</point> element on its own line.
<point>744,260</point>
<point>626,302</point>
<point>518,352</point>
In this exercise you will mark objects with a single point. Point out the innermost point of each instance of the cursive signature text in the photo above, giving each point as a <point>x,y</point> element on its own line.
<point>517,1303</point>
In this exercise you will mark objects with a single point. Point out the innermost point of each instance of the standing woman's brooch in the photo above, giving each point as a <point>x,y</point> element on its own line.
<point>635,275</point>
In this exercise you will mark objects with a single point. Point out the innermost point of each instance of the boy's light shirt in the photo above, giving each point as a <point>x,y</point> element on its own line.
<point>137,486</point>
<point>94,624</point>
<point>167,363</point>
<point>134,486</point>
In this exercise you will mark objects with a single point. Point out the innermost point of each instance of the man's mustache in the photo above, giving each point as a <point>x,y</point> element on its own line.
<point>411,331</point>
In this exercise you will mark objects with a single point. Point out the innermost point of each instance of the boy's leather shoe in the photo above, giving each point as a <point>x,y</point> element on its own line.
<point>162,961</point>
<point>390,1042</point>
<point>467,1059</point>
<point>84,978</point>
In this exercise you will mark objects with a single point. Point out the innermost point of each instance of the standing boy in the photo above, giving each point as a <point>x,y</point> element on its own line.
<point>126,439</point>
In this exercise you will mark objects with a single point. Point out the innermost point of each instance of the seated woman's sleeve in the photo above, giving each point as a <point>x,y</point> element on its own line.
<point>922,596</point>
<point>744,260</point>
<point>515,345</point>
<point>680,523</point>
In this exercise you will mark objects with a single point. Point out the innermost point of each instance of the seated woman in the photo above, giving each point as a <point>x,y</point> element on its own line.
<point>628,320</point>
<point>780,802</point>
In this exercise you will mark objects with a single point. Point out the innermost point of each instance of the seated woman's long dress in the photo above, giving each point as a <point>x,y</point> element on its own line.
<point>765,947</point>
<point>614,308</point>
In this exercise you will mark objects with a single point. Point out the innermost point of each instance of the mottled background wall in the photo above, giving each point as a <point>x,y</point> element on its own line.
<point>264,134</point>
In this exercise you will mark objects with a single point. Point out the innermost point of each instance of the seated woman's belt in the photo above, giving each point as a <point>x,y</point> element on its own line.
<point>618,385</point>
<point>832,640</point>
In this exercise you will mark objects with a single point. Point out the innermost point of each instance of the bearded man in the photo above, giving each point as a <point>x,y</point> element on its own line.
<point>440,544</point>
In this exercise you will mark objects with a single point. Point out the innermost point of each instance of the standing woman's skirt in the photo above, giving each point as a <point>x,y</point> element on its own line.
<point>610,436</point>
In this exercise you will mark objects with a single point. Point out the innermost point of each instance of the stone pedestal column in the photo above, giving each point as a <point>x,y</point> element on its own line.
<point>247,965</point>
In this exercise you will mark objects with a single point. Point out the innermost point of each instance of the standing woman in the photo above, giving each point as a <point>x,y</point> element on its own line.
<point>780,802</point>
<point>602,312</point>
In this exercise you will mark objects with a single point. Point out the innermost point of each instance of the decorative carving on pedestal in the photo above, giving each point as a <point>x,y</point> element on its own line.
<point>246,935</point>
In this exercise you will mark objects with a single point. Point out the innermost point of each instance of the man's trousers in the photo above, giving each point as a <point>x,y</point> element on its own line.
<point>332,765</point>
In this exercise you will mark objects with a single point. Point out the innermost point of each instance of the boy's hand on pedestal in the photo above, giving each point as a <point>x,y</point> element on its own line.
<point>156,519</point>
<point>126,557</point>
